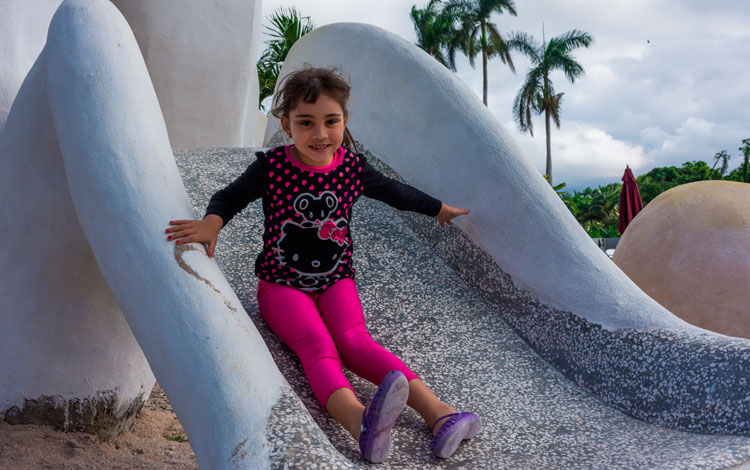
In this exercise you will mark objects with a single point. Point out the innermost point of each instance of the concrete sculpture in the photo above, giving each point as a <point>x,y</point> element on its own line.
<point>87,171</point>
<point>201,59</point>
<point>69,357</point>
<point>688,251</point>
<point>89,181</point>
<point>522,224</point>
<point>23,31</point>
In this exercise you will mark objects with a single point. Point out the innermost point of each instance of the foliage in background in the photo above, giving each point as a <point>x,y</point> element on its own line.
<point>287,27</point>
<point>598,209</point>
<point>742,173</point>
<point>537,92</point>
<point>437,33</point>
<point>661,179</point>
<point>722,157</point>
<point>479,34</point>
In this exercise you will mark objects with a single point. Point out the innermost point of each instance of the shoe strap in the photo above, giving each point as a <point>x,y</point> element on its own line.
<point>363,426</point>
<point>443,417</point>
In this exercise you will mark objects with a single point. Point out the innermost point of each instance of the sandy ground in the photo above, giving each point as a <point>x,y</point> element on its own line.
<point>156,441</point>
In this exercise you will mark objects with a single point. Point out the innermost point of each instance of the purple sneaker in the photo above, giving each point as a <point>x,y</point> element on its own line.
<point>455,429</point>
<point>389,401</point>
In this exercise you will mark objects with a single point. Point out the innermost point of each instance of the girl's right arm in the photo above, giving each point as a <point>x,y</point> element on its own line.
<point>224,205</point>
<point>204,231</point>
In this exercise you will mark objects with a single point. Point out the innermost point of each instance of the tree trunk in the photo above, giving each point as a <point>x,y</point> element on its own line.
<point>549,148</point>
<point>484,65</point>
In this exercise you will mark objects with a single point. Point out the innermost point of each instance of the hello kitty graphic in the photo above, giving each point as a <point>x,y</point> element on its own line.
<point>314,247</point>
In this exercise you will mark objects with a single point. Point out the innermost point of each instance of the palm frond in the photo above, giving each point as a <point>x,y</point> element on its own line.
<point>497,6</point>
<point>498,47</point>
<point>472,46</point>
<point>286,27</point>
<point>526,100</point>
<point>568,66</point>
<point>555,101</point>
<point>436,32</point>
<point>459,7</point>
<point>574,39</point>
<point>525,44</point>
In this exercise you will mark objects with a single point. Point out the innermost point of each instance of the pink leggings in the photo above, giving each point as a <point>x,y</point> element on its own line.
<point>324,329</point>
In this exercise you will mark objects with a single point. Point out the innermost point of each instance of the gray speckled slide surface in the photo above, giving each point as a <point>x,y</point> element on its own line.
<point>448,311</point>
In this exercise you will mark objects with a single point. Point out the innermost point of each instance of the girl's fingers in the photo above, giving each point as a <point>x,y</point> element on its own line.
<point>180,234</point>
<point>186,239</point>
<point>180,222</point>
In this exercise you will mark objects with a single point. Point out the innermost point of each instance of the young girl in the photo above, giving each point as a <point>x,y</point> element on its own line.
<point>306,289</point>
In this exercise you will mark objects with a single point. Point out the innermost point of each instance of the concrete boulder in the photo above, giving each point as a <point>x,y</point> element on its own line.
<point>688,250</point>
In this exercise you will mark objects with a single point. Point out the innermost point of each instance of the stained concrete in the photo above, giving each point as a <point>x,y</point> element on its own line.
<point>94,415</point>
<point>443,307</point>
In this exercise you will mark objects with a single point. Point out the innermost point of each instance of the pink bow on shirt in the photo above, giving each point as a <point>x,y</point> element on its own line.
<point>329,230</point>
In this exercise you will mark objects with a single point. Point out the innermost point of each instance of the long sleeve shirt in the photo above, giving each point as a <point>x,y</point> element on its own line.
<point>307,243</point>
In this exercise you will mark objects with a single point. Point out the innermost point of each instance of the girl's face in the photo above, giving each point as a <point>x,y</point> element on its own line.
<point>317,130</point>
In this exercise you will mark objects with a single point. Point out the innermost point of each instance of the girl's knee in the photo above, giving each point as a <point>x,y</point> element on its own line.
<point>355,347</point>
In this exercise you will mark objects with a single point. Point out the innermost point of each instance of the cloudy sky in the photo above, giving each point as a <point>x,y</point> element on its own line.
<point>666,82</point>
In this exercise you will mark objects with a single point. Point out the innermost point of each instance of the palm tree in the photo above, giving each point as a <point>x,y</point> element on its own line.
<point>436,32</point>
<point>537,92</point>
<point>287,27</point>
<point>480,34</point>
<point>722,157</point>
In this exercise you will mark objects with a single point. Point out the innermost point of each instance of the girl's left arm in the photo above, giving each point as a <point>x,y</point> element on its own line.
<point>404,197</point>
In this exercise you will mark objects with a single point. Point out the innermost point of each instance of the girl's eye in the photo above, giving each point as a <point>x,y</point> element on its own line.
<point>331,122</point>
<point>305,123</point>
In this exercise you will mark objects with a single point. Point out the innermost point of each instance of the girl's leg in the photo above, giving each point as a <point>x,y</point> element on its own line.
<point>346,409</point>
<point>294,318</point>
<point>342,311</point>
<point>427,405</point>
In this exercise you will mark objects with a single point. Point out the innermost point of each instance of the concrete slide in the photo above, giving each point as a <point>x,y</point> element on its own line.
<point>89,180</point>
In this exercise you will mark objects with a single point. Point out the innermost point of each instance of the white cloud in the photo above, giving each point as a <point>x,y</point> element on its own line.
<point>694,139</point>
<point>582,155</point>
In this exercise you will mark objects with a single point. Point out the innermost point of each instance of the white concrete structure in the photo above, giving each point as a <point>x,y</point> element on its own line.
<point>89,183</point>
<point>201,58</point>
<point>431,128</point>
<point>688,249</point>
<point>23,32</point>
<point>207,83</point>
<point>51,291</point>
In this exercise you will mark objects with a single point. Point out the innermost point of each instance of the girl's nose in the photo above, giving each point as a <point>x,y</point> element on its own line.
<point>320,131</point>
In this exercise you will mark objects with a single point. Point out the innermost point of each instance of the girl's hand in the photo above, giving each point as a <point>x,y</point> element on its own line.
<point>449,212</point>
<point>204,231</point>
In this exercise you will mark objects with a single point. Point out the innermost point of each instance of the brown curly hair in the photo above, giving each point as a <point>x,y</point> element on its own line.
<point>307,84</point>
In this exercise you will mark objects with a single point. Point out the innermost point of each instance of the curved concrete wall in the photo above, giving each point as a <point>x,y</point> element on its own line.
<point>90,182</point>
<point>688,250</point>
<point>429,126</point>
<point>201,58</point>
<point>58,320</point>
<point>23,31</point>
<point>207,83</point>
<point>589,319</point>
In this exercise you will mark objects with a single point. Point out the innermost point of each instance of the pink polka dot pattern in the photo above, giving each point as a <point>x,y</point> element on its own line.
<point>287,184</point>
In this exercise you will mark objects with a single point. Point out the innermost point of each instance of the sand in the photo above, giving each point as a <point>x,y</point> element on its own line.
<point>156,441</point>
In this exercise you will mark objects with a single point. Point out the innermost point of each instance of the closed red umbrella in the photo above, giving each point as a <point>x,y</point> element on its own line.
<point>630,200</point>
